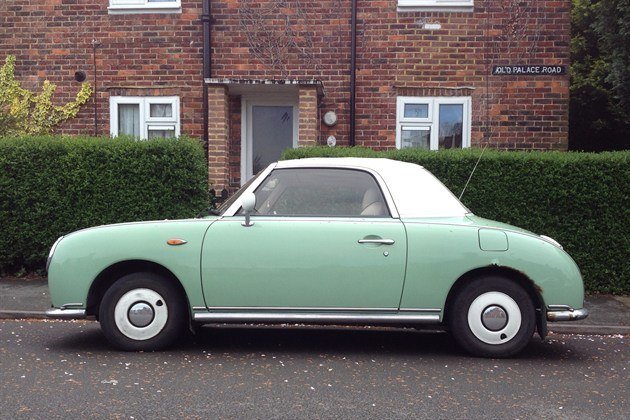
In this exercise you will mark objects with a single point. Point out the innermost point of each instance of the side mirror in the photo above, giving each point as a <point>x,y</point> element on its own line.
<point>248,203</point>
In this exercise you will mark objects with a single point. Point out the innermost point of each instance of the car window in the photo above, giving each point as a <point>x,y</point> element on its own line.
<point>227,203</point>
<point>320,192</point>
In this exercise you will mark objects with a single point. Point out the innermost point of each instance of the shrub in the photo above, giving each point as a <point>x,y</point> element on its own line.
<point>580,199</point>
<point>50,186</point>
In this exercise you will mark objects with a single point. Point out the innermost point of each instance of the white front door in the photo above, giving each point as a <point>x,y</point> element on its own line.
<point>268,128</point>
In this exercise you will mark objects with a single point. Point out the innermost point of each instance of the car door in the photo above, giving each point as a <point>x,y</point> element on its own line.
<point>321,238</point>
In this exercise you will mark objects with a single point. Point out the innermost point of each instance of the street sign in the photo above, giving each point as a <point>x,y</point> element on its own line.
<point>529,70</point>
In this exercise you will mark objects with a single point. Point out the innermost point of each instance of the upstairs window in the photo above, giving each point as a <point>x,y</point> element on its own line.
<point>433,123</point>
<point>144,117</point>
<point>438,5</point>
<point>144,6</point>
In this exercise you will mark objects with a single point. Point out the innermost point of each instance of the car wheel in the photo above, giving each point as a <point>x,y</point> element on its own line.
<point>492,317</point>
<point>142,311</point>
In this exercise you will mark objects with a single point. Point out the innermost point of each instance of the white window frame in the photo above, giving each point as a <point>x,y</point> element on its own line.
<point>146,121</point>
<point>433,123</point>
<point>143,6</point>
<point>416,127</point>
<point>412,100</point>
<point>436,5</point>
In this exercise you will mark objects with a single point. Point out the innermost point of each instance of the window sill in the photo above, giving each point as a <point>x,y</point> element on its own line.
<point>434,8</point>
<point>131,10</point>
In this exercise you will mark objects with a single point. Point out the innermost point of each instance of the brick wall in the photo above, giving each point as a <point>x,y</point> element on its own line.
<point>307,104</point>
<point>313,43</point>
<point>53,38</point>
<point>218,137</point>
<point>397,56</point>
<point>273,39</point>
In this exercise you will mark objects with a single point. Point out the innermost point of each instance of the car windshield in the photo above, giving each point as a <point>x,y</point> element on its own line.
<point>227,203</point>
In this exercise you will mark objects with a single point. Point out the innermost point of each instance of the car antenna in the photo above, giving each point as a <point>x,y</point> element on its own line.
<point>473,171</point>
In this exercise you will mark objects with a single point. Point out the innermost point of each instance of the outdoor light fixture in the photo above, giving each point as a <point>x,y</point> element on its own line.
<point>330,118</point>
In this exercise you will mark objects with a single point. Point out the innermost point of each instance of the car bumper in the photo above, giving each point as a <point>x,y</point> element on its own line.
<point>66,313</point>
<point>566,314</point>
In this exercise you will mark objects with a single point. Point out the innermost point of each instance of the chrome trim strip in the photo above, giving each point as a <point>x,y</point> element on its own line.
<point>51,253</point>
<point>438,310</point>
<point>377,241</point>
<point>350,219</point>
<point>275,317</point>
<point>295,309</point>
<point>71,305</point>
<point>61,313</point>
<point>559,308</point>
<point>551,241</point>
<point>571,315</point>
<point>309,309</point>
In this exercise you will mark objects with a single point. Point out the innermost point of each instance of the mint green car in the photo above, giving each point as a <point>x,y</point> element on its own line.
<point>320,241</point>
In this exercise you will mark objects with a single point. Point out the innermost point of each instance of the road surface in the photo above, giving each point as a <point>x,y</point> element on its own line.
<point>55,369</point>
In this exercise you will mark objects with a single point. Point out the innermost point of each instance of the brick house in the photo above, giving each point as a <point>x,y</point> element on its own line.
<point>285,73</point>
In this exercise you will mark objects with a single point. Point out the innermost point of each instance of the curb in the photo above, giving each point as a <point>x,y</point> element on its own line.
<point>589,329</point>
<point>553,328</point>
<point>23,315</point>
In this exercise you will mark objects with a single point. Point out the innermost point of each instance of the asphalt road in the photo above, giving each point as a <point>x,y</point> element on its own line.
<point>53,369</point>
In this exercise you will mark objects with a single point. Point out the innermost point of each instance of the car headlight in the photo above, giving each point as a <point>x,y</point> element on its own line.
<point>52,251</point>
<point>551,241</point>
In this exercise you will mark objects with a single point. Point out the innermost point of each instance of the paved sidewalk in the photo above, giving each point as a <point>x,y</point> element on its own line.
<point>23,298</point>
<point>28,298</point>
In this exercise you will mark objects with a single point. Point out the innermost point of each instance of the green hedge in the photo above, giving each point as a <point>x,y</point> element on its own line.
<point>580,199</point>
<point>50,186</point>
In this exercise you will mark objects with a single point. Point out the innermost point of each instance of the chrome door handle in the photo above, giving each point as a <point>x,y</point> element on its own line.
<point>377,241</point>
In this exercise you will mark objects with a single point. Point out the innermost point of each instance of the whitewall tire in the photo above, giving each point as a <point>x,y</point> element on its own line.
<point>492,317</point>
<point>143,311</point>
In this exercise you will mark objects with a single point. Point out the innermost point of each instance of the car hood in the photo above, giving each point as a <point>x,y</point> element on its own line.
<point>164,222</point>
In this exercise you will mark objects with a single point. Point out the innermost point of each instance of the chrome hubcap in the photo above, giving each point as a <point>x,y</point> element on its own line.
<point>494,318</point>
<point>141,314</point>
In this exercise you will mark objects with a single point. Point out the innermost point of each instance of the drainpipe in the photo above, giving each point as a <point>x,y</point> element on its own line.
<point>95,44</point>
<point>206,19</point>
<point>353,76</point>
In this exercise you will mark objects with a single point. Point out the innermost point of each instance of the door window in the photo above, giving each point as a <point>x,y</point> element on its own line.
<point>320,192</point>
<point>272,131</point>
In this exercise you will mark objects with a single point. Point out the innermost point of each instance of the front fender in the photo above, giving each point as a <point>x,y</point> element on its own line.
<point>81,256</point>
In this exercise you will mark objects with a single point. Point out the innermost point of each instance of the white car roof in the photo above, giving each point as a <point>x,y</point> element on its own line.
<point>414,190</point>
<point>376,164</point>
